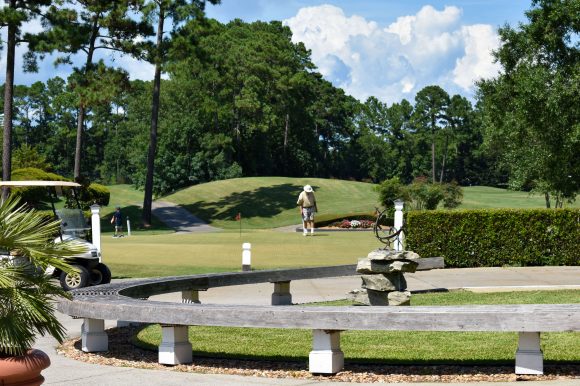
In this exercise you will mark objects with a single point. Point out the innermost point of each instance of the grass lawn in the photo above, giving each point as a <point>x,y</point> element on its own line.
<point>270,202</point>
<point>181,254</point>
<point>393,347</point>
<point>485,197</point>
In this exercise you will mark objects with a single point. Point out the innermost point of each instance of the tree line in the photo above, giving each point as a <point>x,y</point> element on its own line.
<point>241,99</point>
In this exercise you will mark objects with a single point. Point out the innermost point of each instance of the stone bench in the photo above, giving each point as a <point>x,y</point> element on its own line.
<point>124,301</point>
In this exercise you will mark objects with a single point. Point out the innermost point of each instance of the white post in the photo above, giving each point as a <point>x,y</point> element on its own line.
<point>246,257</point>
<point>326,356</point>
<point>529,357</point>
<point>93,336</point>
<point>398,244</point>
<point>128,227</point>
<point>96,228</point>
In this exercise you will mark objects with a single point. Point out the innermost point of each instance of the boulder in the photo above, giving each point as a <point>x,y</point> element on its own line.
<point>399,298</point>
<point>386,282</point>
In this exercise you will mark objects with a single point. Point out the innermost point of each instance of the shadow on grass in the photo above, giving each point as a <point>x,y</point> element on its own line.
<point>134,214</point>
<point>262,202</point>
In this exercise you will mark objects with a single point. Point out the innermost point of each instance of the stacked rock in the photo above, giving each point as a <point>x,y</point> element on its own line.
<point>383,282</point>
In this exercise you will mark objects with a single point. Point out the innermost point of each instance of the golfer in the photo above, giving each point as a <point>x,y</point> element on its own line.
<point>117,219</point>
<point>307,204</point>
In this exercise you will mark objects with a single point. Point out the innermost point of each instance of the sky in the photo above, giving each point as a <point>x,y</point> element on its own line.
<point>390,49</point>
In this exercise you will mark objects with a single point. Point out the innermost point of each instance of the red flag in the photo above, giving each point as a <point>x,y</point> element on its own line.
<point>238,217</point>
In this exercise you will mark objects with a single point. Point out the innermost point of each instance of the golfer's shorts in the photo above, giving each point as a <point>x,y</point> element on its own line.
<point>308,214</point>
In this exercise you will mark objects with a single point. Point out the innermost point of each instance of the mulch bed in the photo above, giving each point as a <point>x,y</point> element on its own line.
<point>123,353</point>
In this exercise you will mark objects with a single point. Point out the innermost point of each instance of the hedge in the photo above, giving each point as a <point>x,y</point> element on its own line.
<point>494,238</point>
<point>89,195</point>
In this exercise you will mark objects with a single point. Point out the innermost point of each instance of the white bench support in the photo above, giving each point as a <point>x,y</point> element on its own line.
<point>281,295</point>
<point>191,296</point>
<point>529,357</point>
<point>326,356</point>
<point>175,348</point>
<point>93,336</point>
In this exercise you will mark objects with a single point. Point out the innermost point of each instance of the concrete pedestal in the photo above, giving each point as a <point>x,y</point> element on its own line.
<point>281,295</point>
<point>93,336</point>
<point>326,356</point>
<point>529,356</point>
<point>175,348</point>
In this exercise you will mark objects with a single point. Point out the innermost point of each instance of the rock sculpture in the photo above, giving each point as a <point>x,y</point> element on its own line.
<point>383,282</point>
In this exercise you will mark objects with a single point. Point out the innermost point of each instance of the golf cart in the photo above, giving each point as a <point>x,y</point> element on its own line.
<point>88,269</point>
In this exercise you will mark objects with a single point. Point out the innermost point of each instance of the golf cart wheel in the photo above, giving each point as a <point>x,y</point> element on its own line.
<point>78,278</point>
<point>101,274</point>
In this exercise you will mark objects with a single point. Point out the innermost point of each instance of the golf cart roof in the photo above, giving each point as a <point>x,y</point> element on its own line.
<point>40,183</point>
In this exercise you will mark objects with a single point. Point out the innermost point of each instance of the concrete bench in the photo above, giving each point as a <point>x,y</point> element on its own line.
<point>124,301</point>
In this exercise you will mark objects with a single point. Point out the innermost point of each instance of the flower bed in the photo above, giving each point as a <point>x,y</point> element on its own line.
<point>353,224</point>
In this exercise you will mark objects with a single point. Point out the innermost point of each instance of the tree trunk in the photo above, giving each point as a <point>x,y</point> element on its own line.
<point>148,195</point>
<point>82,107</point>
<point>286,139</point>
<point>547,197</point>
<point>8,102</point>
<point>444,159</point>
<point>79,142</point>
<point>433,155</point>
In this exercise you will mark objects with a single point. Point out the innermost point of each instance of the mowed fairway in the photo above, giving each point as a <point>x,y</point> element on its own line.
<point>485,197</point>
<point>182,254</point>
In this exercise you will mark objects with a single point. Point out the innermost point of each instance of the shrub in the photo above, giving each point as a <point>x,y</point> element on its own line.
<point>34,196</point>
<point>493,238</point>
<point>89,195</point>
<point>419,195</point>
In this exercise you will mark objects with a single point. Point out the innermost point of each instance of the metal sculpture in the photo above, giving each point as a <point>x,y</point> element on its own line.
<point>388,234</point>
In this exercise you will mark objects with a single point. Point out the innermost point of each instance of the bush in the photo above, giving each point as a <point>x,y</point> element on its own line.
<point>34,196</point>
<point>494,238</point>
<point>89,195</point>
<point>419,195</point>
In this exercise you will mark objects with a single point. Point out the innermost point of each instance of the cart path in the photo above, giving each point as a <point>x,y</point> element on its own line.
<point>174,216</point>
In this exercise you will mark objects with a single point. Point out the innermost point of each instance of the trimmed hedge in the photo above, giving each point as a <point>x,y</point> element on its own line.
<point>500,237</point>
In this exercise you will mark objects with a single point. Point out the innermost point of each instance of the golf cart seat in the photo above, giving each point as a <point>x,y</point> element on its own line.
<point>73,222</point>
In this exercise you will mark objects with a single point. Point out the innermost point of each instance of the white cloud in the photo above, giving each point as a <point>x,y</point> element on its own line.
<point>477,63</point>
<point>394,62</point>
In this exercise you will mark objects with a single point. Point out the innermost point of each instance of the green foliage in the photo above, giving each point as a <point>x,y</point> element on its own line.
<point>27,156</point>
<point>34,196</point>
<point>532,109</point>
<point>27,294</point>
<point>88,195</point>
<point>419,195</point>
<point>493,238</point>
<point>452,195</point>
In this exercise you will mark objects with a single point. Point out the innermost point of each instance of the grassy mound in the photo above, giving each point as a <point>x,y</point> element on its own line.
<point>270,202</point>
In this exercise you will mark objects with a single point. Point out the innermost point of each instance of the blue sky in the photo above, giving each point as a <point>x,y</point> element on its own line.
<point>390,49</point>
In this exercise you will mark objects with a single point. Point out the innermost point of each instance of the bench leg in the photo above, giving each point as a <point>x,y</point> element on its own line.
<point>529,357</point>
<point>281,295</point>
<point>175,348</point>
<point>93,336</point>
<point>326,356</point>
<point>190,296</point>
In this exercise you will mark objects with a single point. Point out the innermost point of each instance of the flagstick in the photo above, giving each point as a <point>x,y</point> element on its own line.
<point>240,224</point>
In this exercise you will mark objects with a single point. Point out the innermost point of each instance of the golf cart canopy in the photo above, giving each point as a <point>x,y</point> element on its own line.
<point>40,183</point>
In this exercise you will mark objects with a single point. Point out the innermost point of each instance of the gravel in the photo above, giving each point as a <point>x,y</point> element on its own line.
<point>122,353</point>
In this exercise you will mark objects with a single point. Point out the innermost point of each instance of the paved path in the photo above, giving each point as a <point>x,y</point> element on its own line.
<point>178,218</point>
<point>65,371</point>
